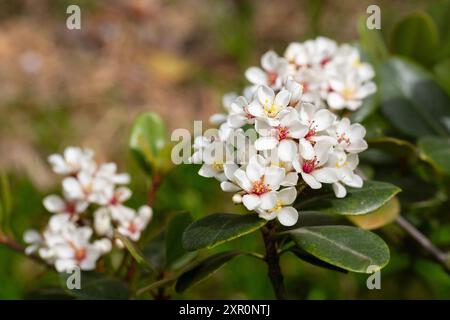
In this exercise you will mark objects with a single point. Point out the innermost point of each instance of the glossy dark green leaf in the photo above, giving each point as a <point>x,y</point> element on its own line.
<point>204,269</point>
<point>370,197</point>
<point>97,286</point>
<point>412,101</point>
<point>346,247</point>
<point>149,142</point>
<point>415,36</point>
<point>174,235</point>
<point>307,257</point>
<point>219,228</point>
<point>155,250</point>
<point>316,218</point>
<point>437,152</point>
<point>155,285</point>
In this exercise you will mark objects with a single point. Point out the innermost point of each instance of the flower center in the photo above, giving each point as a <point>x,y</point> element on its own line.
<point>343,138</point>
<point>271,109</point>
<point>114,201</point>
<point>217,165</point>
<point>325,61</point>
<point>70,208</point>
<point>80,254</point>
<point>309,165</point>
<point>132,227</point>
<point>271,77</point>
<point>311,133</point>
<point>278,206</point>
<point>357,63</point>
<point>282,133</point>
<point>348,93</point>
<point>259,187</point>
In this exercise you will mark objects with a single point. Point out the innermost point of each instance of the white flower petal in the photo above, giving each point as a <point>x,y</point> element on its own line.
<point>288,216</point>
<point>268,200</point>
<point>287,150</point>
<point>251,201</point>
<point>256,76</point>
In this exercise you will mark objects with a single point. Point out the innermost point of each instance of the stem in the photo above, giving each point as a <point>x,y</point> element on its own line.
<point>435,252</point>
<point>156,182</point>
<point>12,244</point>
<point>273,261</point>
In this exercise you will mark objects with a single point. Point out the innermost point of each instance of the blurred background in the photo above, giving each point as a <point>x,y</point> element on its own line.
<point>61,87</point>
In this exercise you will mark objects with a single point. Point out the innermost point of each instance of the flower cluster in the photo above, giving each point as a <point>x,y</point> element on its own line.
<point>292,129</point>
<point>92,202</point>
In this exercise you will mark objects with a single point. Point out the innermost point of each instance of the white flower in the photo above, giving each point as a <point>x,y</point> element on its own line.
<point>102,222</point>
<point>313,171</point>
<point>239,114</point>
<point>350,137</point>
<point>311,53</point>
<point>267,105</point>
<point>85,187</point>
<point>344,165</point>
<point>74,249</point>
<point>108,172</point>
<point>259,180</point>
<point>348,90</point>
<point>72,207</point>
<point>215,156</point>
<point>349,57</point>
<point>133,227</point>
<point>318,121</point>
<point>281,136</point>
<point>34,241</point>
<point>296,91</point>
<point>286,214</point>
<point>72,161</point>
<point>272,73</point>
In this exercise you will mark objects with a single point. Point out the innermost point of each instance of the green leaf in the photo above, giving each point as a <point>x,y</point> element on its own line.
<point>135,251</point>
<point>440,12</point>
<point>219,228</point>
<point>412,101</point>
<point>415,36</point>
<point>204,269</point>
<point>307,257</point>
<point>156,284</point>
<point>174,246</point>
<point>393,146</point>
<point>149,143</point>
<point>371,42</point>
<point>370,197</point>
<point>5,203</point>
<point>378,218</point>
<point>436,151</point>
<point>442,71</point>
<point>96,286</point>
<point>349,248</point>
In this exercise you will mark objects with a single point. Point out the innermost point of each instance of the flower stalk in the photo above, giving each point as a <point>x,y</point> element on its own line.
<point>272,259</point>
